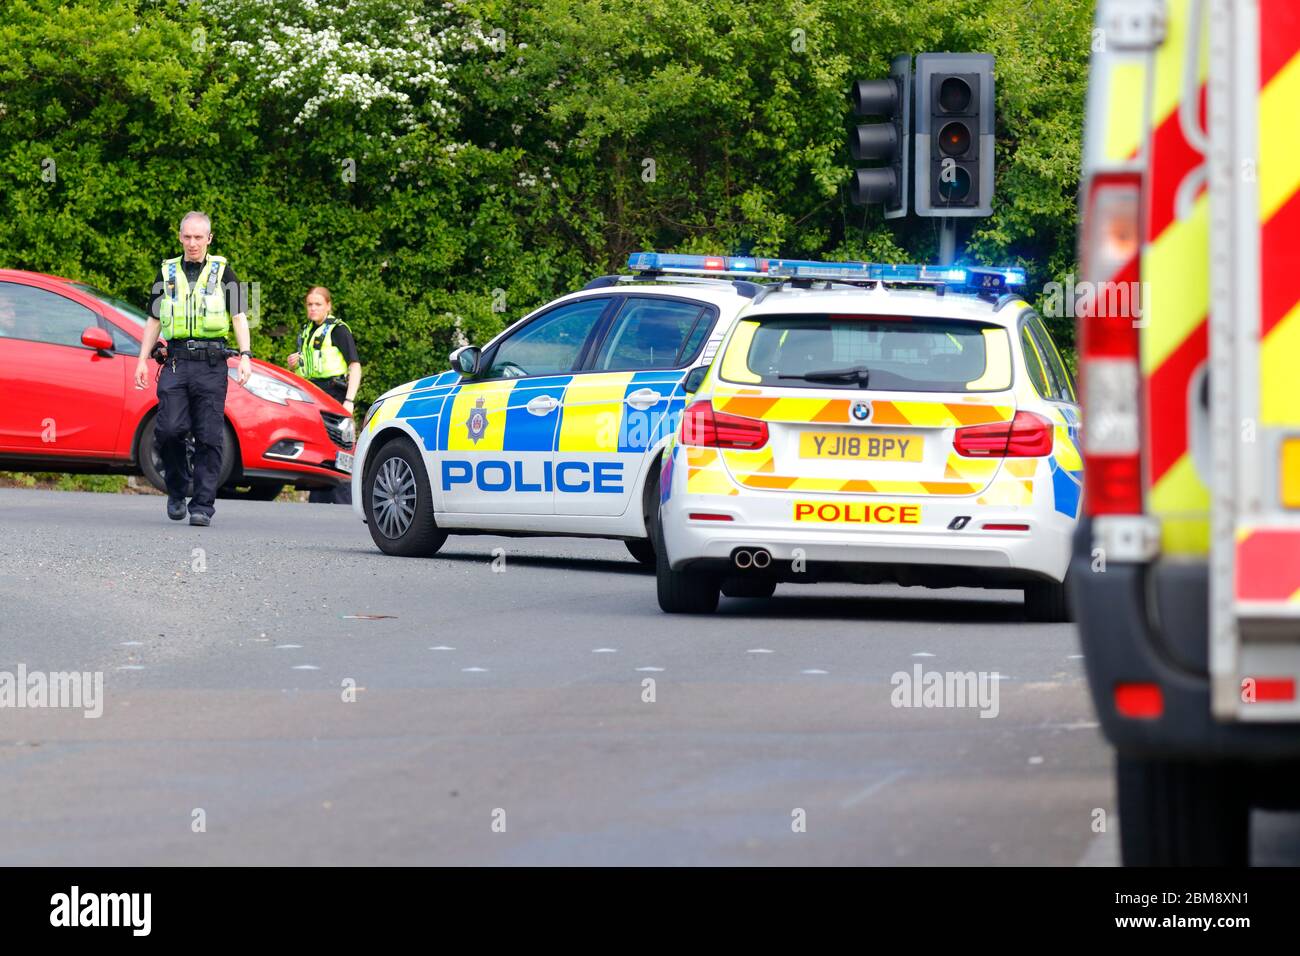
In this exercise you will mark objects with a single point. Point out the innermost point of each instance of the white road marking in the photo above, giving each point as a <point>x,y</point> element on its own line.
<point>1076,725</point>
<point>759,650</point>
<point>656,669</point>
<point>604,650</point>
<point>305,667</point>
<point>131,667</point>
<point>923,654</point>
<point>131,644</point>
<point>1074,657</point>
<point>474,670</point>
<point>873,788</point>
<point>814,670</point>
<point>288,647</point>
<point>442,647</point>
<point>1035,761</point>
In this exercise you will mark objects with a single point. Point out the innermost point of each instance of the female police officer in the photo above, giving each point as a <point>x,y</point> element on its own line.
<point>327,354</point>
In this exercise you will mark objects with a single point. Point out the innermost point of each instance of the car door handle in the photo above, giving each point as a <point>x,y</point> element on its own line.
<point>542,405</point>
<point>643,398</point>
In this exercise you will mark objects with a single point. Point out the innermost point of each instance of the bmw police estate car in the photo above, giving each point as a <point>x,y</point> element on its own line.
<point>875,423</point>
<point>553,427</point>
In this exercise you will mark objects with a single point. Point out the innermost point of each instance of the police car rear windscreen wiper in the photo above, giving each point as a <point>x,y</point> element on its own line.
<point>859,372</point>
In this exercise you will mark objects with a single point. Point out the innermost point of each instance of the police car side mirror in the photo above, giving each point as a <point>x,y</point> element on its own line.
<point>694,379</point>
<point>465,360</point>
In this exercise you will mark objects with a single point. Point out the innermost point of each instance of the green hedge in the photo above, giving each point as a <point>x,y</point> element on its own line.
<point>445,172</point>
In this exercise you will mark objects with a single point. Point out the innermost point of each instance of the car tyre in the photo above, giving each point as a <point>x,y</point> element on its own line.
<point>683,592</point>
<point>1048,602</point>
<point>643,549</point>
<point>151,465</point>
<point>1177,813</point>
<point>397,502</point>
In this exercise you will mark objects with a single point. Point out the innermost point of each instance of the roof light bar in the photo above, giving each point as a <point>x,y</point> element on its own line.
<point>977,278</point>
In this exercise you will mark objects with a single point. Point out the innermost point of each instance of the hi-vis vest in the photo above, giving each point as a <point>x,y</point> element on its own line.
<point>197,313</point>
<point>320,357</point>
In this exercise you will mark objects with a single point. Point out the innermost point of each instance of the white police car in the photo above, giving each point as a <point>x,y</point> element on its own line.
<point>875,423</point>
<point>553,427</point>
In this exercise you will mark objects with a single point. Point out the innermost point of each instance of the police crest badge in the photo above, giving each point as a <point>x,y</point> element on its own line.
<point>477,422</point>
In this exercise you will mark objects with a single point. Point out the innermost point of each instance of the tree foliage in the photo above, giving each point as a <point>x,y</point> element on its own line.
<point>431,162</point>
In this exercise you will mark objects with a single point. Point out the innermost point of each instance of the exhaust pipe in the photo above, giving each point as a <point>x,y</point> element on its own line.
<point>758,559</point>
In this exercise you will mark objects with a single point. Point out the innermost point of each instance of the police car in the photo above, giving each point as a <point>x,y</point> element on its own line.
<point>554,427</point>
<point>875,423</point>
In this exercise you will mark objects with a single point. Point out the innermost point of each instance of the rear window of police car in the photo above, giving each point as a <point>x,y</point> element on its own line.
<point>887,353</point>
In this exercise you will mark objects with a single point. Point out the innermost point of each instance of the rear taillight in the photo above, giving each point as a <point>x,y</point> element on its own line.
<point>703,426</point>
<point>1139,701</point>
<point>1109,374</point>
<point>1028,435</point>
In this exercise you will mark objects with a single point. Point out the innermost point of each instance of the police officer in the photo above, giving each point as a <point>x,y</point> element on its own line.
<point>327,354</point>
<point>196,299</point>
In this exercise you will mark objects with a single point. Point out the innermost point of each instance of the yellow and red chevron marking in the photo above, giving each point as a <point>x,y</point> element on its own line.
<point>757,469</point>
<point>857,485</point>
<point>1268,565</point>
<point>752,403</point>
<point>1174,296</point>
<point>705,473</point>
<point>1279,212</point>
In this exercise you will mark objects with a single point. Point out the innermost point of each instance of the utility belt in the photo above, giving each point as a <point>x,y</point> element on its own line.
<point>338,381</point>
<point>196,350</point>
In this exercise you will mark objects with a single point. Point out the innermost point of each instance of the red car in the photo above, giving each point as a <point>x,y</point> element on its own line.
<point>67,363</point>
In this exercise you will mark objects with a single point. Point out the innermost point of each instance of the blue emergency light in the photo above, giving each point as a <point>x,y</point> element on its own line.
<point>974,278</point>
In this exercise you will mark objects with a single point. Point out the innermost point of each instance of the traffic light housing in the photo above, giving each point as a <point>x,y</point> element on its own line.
<point>884,143</point>
<point>954,134</point>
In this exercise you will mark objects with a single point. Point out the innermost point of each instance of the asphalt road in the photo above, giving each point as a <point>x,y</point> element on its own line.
<point>500,715</point>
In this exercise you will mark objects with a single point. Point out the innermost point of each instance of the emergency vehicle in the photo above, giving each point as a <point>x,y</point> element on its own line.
<point>554,427</point>
<point>870,423</point>
<point>1186,571</point>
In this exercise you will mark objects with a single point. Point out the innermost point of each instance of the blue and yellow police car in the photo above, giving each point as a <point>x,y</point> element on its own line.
<point>555,427</point>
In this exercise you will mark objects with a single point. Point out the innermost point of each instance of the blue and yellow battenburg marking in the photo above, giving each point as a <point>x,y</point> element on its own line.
<point>592,416</point>
<point>1066,463</point>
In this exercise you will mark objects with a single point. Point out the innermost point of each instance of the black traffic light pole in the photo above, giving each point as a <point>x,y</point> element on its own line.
<point>947,241</point>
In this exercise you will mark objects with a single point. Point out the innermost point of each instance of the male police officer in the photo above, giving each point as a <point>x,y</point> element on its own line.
<point>193,301</point>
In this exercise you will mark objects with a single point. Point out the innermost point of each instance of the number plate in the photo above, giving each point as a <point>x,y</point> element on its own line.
<point>860,446</point>
<point>343,462</point>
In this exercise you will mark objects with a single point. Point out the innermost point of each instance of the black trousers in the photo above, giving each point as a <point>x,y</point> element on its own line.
<point>192,399</point>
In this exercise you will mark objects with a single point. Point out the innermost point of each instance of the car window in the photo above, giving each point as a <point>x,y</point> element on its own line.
<point>652,333</point>
<point>27,312</point>
<point>122,342</point>
<point>1037,375</point>
<point>121,306</point>
<point>900,353</point>
<point>550,344</point>
<point>1059,376</point>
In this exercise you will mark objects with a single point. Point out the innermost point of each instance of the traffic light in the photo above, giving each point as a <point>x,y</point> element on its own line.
<point>954,134</point>
<point>886,142</point>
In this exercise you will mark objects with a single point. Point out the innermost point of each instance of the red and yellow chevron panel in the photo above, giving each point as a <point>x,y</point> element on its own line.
<point>1268,565</point>
<point>1279,212</point>
<point>1174,297</point>
<point>752,403</point>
